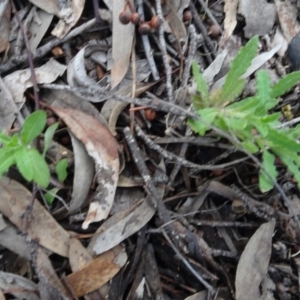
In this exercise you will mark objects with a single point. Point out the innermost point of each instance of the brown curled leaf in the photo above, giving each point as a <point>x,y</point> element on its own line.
<point>103,148</point>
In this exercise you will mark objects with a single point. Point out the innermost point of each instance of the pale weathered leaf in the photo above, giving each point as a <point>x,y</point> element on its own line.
<point>252,10</point>
<point>98,272</point>
<point>50,6</point>
<point>5,12</point>
<point>65,25</point>
<point>116,229</point>
<point>8,107</point>
<point>103,148</point>
<point>253,264</point>
<point>287,15</point>
<point>18,286</point>
<point>42,226</point>
<point>18,81</point>
<point>230,9</point>
<point>122,36</point>
<point>38,27</point>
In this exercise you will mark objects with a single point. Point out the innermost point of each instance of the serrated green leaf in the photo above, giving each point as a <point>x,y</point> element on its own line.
<point>24,163</point>
<point>14,142</point>
<point>33,126</point>
<point>263,86</point>
<point>262,128</point>
<point>61,169</point>
<point>277,139</point>
<point>236,124</point>
<point>265,184</point>
<point>4,139</point>
<point>238,67</point>
<point>41,173</point>
<point>293,133</point>
<point>285,84</point>
<point>50,195</point>
<point>233,93</point>
<point>7,159</point>
<point>49,136</point>
<point>198,126</point>
<point>250,146</point>
<point>201,83</point>
<point>246,106</point>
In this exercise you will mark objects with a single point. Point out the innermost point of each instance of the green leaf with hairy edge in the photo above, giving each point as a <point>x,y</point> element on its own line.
<point>238,67</point>
<point>198,126</point>
<point>265,184</point>
<point>61,169</point>
<point>250,146</point>
<point>50,195</point>
<point>4,139</point>
<point>236,124</point>
<point>41,174</point>
<point>263,87</point>
<point>201,83</point>
<point>14,142</point>
<point>271,119</point>
<point>285,84</point>
<point>7,159</point>
<point>279,139</point>
<point>246,106</point>
<point>48,136</point>
<point>234,92</point>
<point>24,163</point>
<point>289,162</point>
<point>263,129</point>
<point>33,126</point>
<point>293,133</point>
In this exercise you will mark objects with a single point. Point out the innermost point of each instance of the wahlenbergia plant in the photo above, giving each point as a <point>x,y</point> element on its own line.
<point>249,120</point>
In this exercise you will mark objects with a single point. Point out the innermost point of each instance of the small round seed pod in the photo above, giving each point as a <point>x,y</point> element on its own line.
<point>124,17</point>
<point>155,22</point>
<point>144,28</point>
<point>214,30</point>
<point>135,18</point>
<point>150,114</point>
<point>187,16</point>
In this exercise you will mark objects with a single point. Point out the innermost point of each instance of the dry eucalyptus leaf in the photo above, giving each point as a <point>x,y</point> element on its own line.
<point>287,15</point>
<point>42,226</point>
<point>103,148</point>
<point>254,262</point>
<point>98,272</point>
<point>5,12</point>
<point>19,81</point>
<point>122,36</point>
<point>38,27</point>
<point>253,10</point>
<point>230,9</point>
<point>65,25</point>
<point>18,286</point>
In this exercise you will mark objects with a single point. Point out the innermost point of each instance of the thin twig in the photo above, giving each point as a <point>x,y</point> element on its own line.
<point>163,49</point>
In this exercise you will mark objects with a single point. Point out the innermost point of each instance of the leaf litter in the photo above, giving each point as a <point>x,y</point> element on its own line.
<point>152,211</point>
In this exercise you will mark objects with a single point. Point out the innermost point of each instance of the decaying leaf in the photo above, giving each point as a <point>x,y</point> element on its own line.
<point>50,287</point>
<point>98,272</point>
<point>252,11</point>
<point>287,15</point>
<point>230,9</point>
<point>18,286</point>
<point>18,81</point>
<point>8,107</point>
<point>64,26</point>
<point>253,264</point>
<point>42,226</point>
<point>120,226</point>
<point>103,148</point>
<point>50,6</point>
<point>38,27</point>
<point>122,36</point>
<point>5,12</point>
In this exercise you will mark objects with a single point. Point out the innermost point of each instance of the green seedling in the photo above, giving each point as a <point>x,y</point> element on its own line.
<point>18,150</point>
<point>249,120</point>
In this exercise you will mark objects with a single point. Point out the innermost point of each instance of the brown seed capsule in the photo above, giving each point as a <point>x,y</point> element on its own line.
<point>187,16</point>
<point>150,114</point>
<point>124,17</point>
<point>155,22</point>
<point>135,18</point>
<point>144,28</point>
<point>214,30</point>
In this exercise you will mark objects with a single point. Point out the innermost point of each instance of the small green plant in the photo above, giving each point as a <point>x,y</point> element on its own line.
<point>18,150</point>
<point>249,120</point>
